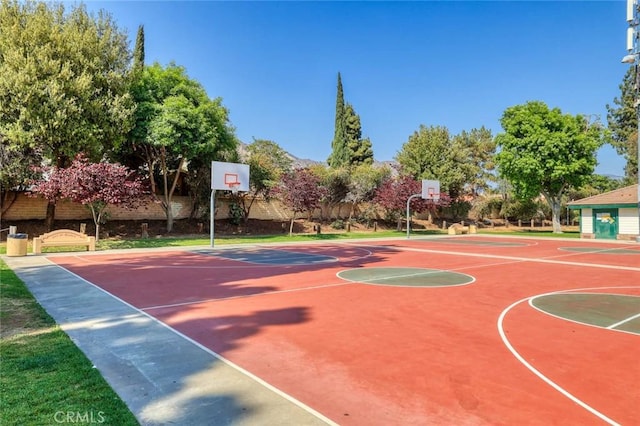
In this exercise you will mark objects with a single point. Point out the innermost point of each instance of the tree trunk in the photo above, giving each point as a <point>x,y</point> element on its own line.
<point>555,204</point>
<point>51,213</point>
<point>291,225</point>
<point>399,225</point>
<point>246,208</point>
<point>555,215</point>
<point>169,219</point>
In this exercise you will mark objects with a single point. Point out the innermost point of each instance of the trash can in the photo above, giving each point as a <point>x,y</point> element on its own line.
<point>17,244</point>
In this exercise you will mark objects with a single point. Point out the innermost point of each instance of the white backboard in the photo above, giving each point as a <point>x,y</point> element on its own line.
<point>229,176</point>
<point>431,189</point>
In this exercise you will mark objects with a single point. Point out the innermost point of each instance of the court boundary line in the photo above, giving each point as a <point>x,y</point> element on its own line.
<point>219,357</point>
<point>518,259</point>
<point>581,292</point>
<point>537,372</point>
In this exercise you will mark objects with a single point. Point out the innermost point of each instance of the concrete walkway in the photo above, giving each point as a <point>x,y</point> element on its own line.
<point>164,377</point>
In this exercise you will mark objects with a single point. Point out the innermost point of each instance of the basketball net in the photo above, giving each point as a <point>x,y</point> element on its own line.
<point>233,187</point>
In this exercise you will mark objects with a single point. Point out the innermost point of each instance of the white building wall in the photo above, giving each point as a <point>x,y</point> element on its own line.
<point>628,221</point>
<point>586,221</point>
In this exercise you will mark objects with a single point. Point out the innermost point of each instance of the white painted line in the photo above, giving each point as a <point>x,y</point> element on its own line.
<point>518,259</point>
<point>219,357</point>
<point>535,371</point>
<point>612,326</point>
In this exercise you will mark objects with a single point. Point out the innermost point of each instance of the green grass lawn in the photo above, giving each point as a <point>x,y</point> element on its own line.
<point>44,378</point>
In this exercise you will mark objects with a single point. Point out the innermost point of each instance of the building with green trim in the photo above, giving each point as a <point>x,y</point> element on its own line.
<point>612,215</point>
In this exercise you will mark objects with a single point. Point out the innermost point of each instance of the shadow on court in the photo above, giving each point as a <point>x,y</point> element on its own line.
<point>163,378</point>
<point>172,278</point>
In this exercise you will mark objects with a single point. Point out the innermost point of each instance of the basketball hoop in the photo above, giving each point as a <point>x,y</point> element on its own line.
<point>232,177</point>
<point>432,195</point>
<point>232,182</point>
<point>233,187</point>
<point>431,190</point>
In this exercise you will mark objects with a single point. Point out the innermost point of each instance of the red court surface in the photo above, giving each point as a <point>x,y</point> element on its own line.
<point>375,354</point>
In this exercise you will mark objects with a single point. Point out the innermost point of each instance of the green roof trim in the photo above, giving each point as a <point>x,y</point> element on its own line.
<point>601,206</point>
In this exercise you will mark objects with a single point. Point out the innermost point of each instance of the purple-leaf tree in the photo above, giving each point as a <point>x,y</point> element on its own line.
<point>300,192</point>
<point>393,194</point>
<point>49,185</point>
<point>95,185</point>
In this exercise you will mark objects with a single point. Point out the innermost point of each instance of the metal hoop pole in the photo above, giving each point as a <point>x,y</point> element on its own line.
<point>211,214</point>
<point>408,202</point>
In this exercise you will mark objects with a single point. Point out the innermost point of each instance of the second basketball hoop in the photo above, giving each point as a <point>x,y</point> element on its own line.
<point>232,177</point>
<point>430,190</point>
<point>229,176</point>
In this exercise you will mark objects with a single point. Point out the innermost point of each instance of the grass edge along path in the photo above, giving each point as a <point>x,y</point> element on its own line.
<point>44,377</point>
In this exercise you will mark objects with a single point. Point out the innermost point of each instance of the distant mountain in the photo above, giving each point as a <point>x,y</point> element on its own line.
<point>299,163</point>
<point>614,177</point>
<point>306,162</point>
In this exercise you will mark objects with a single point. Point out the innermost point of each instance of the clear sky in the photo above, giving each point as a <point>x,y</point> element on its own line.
<point>457,64</point>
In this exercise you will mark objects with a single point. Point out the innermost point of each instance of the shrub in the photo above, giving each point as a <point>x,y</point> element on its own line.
<point>338,224</point>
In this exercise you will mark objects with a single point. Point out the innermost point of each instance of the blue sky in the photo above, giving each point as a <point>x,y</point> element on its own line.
<point>457,64</point>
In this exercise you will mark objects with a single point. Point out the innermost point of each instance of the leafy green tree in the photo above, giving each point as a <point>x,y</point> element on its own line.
<point>63,81</point>
<point>480,146</point>
<point>267,163</point>
<point>364,180</point>
<point>336,183</point>
<point>198,182</point>
<point>596,184</point>
<point>359,150</point>
<point>339,154</point>
<point>622,120</point>
<point>16,172</point>
<point>176,122</point>
<point>431,153</point>
<point>543,151</point>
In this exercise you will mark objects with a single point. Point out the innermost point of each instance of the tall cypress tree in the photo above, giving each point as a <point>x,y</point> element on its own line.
<point>339,152</point>
<point>138,51</point>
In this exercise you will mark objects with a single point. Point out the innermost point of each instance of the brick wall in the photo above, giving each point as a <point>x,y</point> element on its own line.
<point>35,208</point>
<point>28,208</point>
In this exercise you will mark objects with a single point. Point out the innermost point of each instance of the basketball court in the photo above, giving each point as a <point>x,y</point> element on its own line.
<point>465,330</point>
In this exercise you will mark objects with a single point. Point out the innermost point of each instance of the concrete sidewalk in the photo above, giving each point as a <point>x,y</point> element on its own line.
<point>163,376</point>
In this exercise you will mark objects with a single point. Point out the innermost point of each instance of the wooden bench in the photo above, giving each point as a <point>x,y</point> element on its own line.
<point>63,238</point>
<point>459,229</point>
